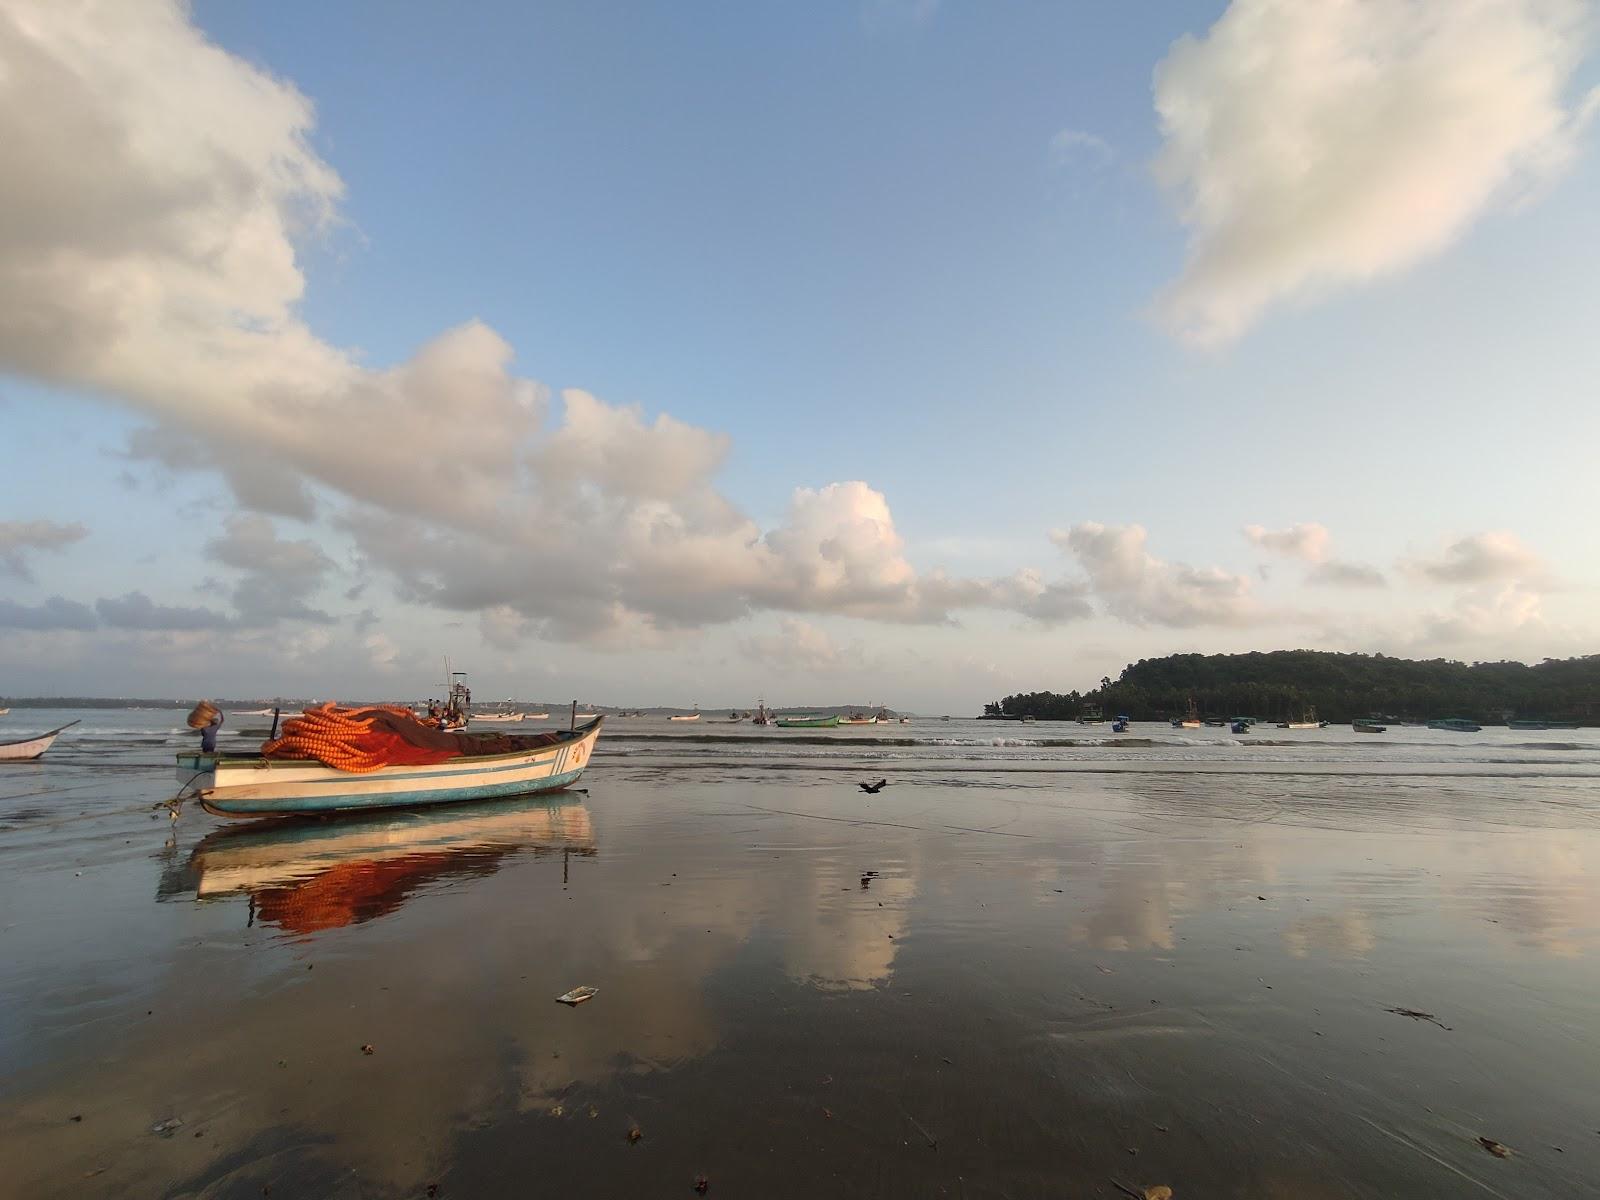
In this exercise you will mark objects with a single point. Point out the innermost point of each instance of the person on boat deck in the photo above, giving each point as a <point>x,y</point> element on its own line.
<point>208,734</point>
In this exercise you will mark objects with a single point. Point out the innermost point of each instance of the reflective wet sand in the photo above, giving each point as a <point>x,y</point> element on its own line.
<point>1021,983</point>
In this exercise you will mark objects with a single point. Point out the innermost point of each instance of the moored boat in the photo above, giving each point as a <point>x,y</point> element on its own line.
<point>499,718</point>
<point>694,716</point>
<point>254,785</point>
<point>1190,720</point>
<point>1239,727</point>
<point>1368,725</point>
<point>27,749</point>
<point>1455,725</point>
<point>1308,720</point>
<point>1120,725</point>
<point>856,718</point>
<point>808,722</point>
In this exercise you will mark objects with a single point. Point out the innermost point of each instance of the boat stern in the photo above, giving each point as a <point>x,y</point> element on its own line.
<point>196,770</point>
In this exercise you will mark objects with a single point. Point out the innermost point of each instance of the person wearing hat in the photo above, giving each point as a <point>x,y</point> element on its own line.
<point>207,718</point>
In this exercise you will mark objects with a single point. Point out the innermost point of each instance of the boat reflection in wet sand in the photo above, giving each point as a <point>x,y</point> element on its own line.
<point>308,876</point>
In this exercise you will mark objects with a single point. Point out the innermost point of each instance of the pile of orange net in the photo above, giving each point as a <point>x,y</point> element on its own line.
<point>347,740</point>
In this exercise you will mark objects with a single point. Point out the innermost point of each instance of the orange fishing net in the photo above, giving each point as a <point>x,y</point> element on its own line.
<point>345,739</point>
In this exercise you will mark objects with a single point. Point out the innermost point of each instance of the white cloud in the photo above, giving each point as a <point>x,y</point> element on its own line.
<point>800,646</point>
<point>279,575</point>
<point>1480,558</point>
<point>160,186</point>
<point>1308,541</point>
<point>20,539</point>
<point>1312,145</point>
<point>1139,588</point>
<point>1486,613</point>
<point>1311,543</point>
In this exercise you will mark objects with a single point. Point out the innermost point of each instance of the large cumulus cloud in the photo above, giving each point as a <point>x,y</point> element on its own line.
<point>1314,145</point>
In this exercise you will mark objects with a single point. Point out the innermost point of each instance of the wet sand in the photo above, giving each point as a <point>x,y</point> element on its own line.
<point>1052,982</point>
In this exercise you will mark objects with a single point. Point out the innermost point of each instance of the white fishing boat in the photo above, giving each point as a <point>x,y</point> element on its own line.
<point>249,712</point>
<point>25,749</point>
<point>251,785</point>
<point>544,716</point>
<point>500,718</point>
<point>4,711</point>
<point>694,716</point>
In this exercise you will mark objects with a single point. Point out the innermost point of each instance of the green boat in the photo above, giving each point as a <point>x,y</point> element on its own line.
<point>1455,725</point>
<point>808,722</point>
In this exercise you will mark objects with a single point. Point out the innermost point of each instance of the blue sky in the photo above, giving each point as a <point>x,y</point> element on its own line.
<point>925,261</point>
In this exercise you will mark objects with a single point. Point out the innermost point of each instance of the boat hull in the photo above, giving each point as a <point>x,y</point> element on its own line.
<point>813,723</point>
<point>253,787</point>
<point>26,751</point>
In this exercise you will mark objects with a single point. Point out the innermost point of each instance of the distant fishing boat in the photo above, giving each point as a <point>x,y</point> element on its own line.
<point>856,718</point>
<point>544,716</point>
<point>1120,725</point>
<point>1527,724</point>
<point>1215,722</point>
<point>4,711</point>
<point>1030,720</point>
<point>1308,720</point>
<point>1368,725</point>
<point>26,749</point>
<point>252,785</point>
<point>694,716</point>
<point>250,712</point>
<point>1190,720</point>
<point>1239,727</point>
<point>763,714</point>
<point>1455,725</point>
<point>808,722</point>
<point>498,717</point>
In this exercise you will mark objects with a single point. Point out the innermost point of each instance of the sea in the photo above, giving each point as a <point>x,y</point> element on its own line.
<point>1044,960</point>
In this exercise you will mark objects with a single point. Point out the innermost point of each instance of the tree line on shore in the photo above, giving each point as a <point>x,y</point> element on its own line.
<point>1339,687</point>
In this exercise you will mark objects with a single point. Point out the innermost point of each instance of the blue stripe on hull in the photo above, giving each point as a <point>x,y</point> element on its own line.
<point>350,801</point>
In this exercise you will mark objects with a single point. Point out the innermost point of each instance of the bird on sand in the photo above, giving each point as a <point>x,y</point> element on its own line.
<point>872,789</point>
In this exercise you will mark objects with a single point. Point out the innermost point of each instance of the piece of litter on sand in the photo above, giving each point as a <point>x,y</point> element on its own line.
<point>577,995</point>
<point>1494,1147</point>
<point>1158,1192</point>
<point>167,1127</point>
<point>1418,1015</point>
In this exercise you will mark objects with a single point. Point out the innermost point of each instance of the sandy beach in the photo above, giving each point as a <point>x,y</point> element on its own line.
<point>1021,970</point>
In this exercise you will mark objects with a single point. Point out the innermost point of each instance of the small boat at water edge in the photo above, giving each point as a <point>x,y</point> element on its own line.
<point>1239,727</point>
<point>694,716</point>
<point>4,711</point>
<point>1190,720</point>
<point>28,749</point>
<point>1368,725</point>
<point>1455,725</point>
<point>500,718</point>
<point>859,719</point>
<point>808,722</point>
<point>1120,725</point>
<point>250,785</point>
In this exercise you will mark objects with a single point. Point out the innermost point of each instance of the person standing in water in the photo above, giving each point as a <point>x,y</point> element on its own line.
<point>207,718</point>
